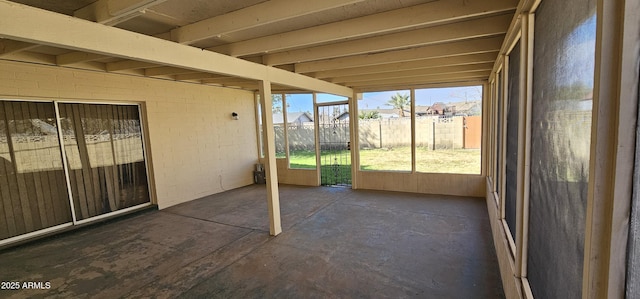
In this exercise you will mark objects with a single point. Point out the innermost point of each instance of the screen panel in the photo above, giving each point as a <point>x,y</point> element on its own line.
<point>513,116</point>
<point>499,160</point>
<point>563,71</point>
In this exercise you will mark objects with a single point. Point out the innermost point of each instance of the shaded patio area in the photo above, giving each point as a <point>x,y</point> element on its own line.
<point>336,242</point>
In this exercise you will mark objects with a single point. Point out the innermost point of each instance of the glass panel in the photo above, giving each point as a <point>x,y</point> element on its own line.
<point>449,130</point>
<point>103,144</point>
<point>33,193</point>
<point>384,124</point>
<point>301,131</point>
<point>563,72</point>
<point>513,116</point>
<point>278,123</point>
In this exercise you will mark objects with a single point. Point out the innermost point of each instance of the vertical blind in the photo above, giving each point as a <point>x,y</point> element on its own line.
<point>105,160</point>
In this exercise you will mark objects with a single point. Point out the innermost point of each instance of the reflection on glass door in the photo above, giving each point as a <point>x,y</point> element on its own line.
<point>105,161</point>
<point>103,146</point>
<point>33,194</point>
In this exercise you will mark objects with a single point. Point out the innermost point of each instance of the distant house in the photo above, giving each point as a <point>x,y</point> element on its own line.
<point>438,108</point>
<point>293,118</point>
<point>382,113</point>
<point>466,108</point>
<point>343,116</point>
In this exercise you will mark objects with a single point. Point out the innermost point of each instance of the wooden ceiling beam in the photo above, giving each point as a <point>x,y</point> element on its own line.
<point>428,14</point>
<point>8,47</point>
<point>252,16</point>
<point>484,27</point>
<point>479,75</point>
<point>128,65</point>
<point>466,47</point>
<point>223,80</point>
<point>457,69</point>
<point>113,12</point>
<point>28,24</point>
<point>197,76</point>
<point>410,65</point>
<point>166,70</point>
<point>424,85</point>
<point>77,57</point>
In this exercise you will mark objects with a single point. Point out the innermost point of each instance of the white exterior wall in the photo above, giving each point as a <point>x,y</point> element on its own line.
<point>195,148</point>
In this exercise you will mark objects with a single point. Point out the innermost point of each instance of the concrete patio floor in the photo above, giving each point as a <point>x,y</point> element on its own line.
<point>336,242</point>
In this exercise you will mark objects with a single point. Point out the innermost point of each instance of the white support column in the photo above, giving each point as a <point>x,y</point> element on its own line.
<point>273,198</point>
<point>355,138</point>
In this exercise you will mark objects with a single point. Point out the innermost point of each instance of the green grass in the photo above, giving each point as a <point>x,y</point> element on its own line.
<point>302,159</point>
<point>466,161</point>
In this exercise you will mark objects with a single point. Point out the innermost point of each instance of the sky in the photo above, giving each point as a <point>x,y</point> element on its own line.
<point>378,100</point>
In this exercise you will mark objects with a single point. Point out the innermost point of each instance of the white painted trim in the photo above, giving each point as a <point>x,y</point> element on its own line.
<point>34,234</point>
<point>113,214</point>
<point>65,165</point>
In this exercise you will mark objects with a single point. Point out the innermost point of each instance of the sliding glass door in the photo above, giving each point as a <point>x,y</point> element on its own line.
<point>97,168</point>
<point>32,185</point>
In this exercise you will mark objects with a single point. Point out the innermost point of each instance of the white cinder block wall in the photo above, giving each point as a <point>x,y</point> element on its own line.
<point>196,148</point>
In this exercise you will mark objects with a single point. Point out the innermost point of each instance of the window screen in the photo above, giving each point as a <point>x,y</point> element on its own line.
<point>563,70</point>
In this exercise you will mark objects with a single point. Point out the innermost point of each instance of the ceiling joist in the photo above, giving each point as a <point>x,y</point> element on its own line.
<point>478,75</point>
<point>428,14</point>
<point>128,65</point>
<point>113,12</point>
<point>482,45</point>
<point>8,47</point>
<point>252,16</point>
<point>77,57</point>
<point>323,46</point>
<point>410,65</point>
<point>433,35</point>
<point>166,70</point>
<point>99,39</point>
<point>197,76</point>
<point>458,69</point>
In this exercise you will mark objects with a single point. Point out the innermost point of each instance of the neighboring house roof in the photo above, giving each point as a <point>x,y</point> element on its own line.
<point>293,117</point>
<point>343,116</point>
<point>468,108</point>
<point>44,127</point>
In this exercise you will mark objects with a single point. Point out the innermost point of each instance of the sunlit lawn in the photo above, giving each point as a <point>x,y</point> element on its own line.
<point>466,161</point>
<point>439,161</point>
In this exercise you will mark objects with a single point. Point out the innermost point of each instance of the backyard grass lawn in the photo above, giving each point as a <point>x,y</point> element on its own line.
<point>465,161</point>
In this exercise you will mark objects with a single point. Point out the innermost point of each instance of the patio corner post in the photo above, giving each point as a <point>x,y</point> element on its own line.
<point>273,198</point>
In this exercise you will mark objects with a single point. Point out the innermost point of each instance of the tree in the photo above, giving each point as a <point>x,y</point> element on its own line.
<point>399,101</point>
<point>276,103</point>
<point>369,115</point>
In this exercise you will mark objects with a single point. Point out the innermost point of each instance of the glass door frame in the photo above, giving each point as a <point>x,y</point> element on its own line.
<point>65,166</point>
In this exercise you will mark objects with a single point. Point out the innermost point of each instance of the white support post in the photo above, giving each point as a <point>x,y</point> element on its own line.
<point>273,198</point>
